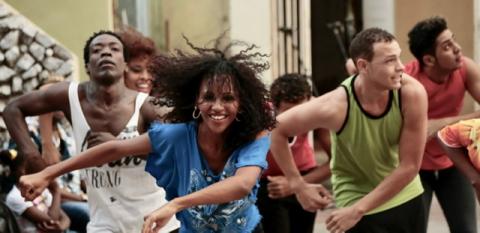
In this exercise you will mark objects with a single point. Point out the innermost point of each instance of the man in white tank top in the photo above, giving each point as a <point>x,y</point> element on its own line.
<point>120,193</point>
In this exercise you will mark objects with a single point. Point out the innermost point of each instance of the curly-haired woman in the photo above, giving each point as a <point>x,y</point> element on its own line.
<point>211,154</point>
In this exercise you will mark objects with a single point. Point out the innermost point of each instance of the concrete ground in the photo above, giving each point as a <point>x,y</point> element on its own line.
<point>436,224</point>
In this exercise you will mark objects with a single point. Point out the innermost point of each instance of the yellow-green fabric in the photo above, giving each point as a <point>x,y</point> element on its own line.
<point>365,151</point>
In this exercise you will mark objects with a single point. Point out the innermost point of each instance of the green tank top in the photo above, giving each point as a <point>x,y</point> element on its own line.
<point>365,151</point>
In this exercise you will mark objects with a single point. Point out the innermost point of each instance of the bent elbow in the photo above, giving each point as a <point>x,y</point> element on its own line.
<point>410,172</point>
<point>244,188</point>
<point>11,110</point>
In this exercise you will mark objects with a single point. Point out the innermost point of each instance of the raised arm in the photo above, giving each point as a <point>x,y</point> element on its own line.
<point>327,111</point>
<point>34,103</point>
<point>411,147</point>
<point>32,185</point>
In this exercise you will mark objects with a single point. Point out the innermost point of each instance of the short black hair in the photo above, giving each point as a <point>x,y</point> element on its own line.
<point>86,49</point>
<point>422,37</point>
<point>362,44</point>
<point>291,88</point>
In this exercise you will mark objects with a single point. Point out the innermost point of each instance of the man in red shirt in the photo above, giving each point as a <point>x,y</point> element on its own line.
<point>446,75</point>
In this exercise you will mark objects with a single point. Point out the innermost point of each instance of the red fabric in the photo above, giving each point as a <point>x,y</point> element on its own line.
<point>444,100</point>
<point>302,154</point>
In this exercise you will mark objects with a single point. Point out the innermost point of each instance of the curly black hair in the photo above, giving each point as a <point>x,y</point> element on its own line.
<point>291,88</point>
<point>362,44</point>
<point>86,48</point>
<point>422,38</point>
<point>180,74</point>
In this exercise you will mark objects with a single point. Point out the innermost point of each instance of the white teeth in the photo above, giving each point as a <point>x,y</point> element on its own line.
<point>142,85</point>
<point>218,117</point>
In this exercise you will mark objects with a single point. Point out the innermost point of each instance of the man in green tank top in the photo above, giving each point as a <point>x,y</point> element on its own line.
<point>378,124</point>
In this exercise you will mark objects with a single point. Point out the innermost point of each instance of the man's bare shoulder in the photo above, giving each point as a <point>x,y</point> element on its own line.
<point>333,99</point>
<point>412,91</point>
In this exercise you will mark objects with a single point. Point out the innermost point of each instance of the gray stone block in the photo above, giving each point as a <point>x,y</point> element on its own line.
<point>32,72</point>
<point>9,40</point>
<point>44,40</point>
<point>37,51</point>
<point>44,74</point>
<point>12,56</point>
<point>5,90</point>
<point>25,62</point>
<point>52,63</point>
<point>17,83</point>
<point>48,52</point>
<point>61,52</point>
<point>4,11</point>
<point>12,22</point>
<point>6,73</point>
<point>64,70</point>
<point>30,85</point>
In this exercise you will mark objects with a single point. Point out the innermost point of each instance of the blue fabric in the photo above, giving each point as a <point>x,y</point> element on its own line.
<point>178,166</point>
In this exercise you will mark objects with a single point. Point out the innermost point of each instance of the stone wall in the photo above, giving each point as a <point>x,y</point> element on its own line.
<point>27,57</point>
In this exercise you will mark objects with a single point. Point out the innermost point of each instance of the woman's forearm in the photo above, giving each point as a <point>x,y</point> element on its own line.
<point>232,188</point>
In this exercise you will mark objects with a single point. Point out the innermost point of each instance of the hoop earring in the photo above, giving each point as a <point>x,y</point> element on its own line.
<point>196,115</point>
<point>236,118</point>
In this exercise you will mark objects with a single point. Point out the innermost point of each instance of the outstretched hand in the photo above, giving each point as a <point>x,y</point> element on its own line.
<point>31,186</point>
<point>159,218</point>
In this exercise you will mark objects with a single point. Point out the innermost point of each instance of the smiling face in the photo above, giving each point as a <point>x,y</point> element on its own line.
<point>218,103</point>
<point>106,63</point>
<point>137,77</point>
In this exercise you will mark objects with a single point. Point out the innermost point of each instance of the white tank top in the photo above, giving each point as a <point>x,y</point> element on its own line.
<point>120,193</point>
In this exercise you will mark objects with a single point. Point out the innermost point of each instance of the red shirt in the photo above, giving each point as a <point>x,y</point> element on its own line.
<point>444,100</point>
<point>302,154</point>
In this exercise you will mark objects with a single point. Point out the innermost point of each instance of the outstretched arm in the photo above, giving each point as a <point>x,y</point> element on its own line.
<point>232,188</point>
<point>32,185</point>
<point>411,147</point>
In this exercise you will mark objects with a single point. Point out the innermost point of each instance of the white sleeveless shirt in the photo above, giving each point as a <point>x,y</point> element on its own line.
<point>120,193</point>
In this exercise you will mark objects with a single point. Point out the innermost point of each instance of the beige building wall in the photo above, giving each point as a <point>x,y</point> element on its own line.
<point>200,21</point>
<point>71,22</point>
<point>459,15</point>
<point>251,22</point>
<point>460,18</point>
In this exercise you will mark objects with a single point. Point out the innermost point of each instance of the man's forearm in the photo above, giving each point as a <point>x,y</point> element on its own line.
<point>283,156</point>
<point>318,174</point>
<point>387,189</point>
<point>18,130</point>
